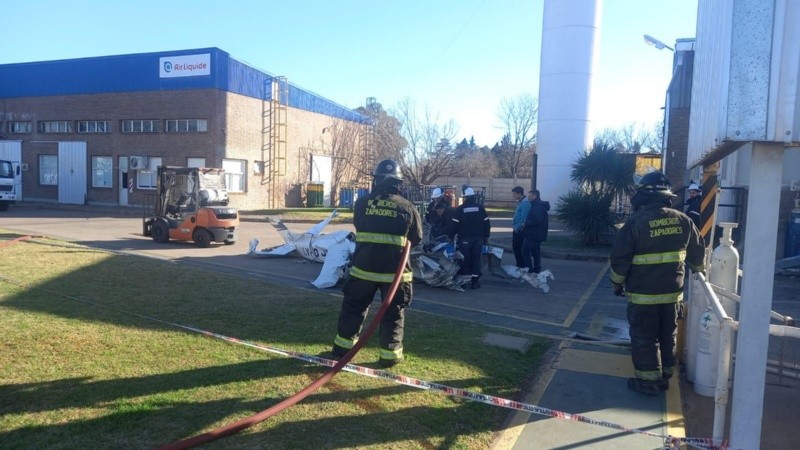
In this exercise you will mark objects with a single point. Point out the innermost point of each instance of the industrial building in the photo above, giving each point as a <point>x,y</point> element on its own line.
<point>94,130</point>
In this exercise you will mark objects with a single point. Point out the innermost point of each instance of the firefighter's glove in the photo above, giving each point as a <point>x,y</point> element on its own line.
<point>619,290</point>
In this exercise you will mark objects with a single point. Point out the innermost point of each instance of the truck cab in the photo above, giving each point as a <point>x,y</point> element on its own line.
<point>9,179</point>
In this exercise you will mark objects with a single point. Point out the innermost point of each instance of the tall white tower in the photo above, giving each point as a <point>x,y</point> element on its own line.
<point>570,43</point>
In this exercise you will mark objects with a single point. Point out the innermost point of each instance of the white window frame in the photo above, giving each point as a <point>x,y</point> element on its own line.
<point>139,126</point>
<point>48,170</point>
<point>55,126</point>
<point>186,125</point>
<point>148,179</point>
<point>235,174</point>
<point>94,126</point>
<point>19,127</point>
<point>102,172</point>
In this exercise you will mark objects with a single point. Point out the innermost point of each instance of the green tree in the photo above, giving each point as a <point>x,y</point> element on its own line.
<point>602,175</point>
<point>604,170</point>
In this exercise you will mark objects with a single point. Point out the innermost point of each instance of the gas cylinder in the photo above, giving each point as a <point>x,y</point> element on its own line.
<point>724,271</point>
<point>705,375</point>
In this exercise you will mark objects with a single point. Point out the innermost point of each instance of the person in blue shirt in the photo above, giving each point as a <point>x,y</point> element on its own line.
<point>517,235</point>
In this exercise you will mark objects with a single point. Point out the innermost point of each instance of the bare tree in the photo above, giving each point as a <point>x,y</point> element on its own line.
<point>518,117</point>
<point>633,138</point>
<point>346,149</point>
<point>429,152</point>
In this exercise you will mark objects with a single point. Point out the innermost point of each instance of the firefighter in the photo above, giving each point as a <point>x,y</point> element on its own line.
<point>647,265</point>
<point>693,203</point>
<point>384,221</point>
<point>471,225</point>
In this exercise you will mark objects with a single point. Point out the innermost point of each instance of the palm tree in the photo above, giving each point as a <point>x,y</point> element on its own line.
<point>605,171</point>
<point>602,174</point>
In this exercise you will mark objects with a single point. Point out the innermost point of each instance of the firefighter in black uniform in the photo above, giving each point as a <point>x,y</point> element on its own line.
<point>472,226</point>
<point>647,265</point>
<point>384,221</point>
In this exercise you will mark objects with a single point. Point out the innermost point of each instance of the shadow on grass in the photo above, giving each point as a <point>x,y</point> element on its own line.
<point>126,291</point>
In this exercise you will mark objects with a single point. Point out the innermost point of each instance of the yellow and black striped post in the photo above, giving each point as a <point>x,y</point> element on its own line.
<point>708,205</point>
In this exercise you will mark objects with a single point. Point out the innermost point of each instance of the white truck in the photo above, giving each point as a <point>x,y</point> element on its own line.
<point>9,176</point>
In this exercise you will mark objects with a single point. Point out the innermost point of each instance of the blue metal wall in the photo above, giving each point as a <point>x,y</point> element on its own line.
<point>140,72</point>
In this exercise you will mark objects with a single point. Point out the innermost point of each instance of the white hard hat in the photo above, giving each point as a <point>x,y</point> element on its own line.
<point>437,193</point>
<point>694,187</point>
<point>469,191</point>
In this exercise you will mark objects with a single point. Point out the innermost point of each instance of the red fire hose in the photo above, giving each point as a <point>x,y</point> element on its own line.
<point>305,392</point>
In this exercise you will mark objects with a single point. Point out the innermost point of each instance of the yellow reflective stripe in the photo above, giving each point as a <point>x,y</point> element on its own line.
<point>378,277</point>
<point>654,299</point>
<point>649,375</point>
<point>391,354</point>
<point>381,238</point>
<point>617,278</point>
<point>345,343</point>
<point>699,268</point>
<point>660,258</point>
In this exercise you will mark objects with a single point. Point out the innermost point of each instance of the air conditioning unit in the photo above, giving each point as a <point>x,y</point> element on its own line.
<point>137,162</point>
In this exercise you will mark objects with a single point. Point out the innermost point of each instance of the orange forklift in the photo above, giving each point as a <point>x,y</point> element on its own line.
<point>191,204</point>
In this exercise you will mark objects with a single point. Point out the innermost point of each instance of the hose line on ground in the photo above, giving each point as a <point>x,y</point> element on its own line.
<point>305,392</point>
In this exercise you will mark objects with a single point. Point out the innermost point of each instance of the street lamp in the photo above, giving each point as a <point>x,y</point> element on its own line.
<point>650,40</point>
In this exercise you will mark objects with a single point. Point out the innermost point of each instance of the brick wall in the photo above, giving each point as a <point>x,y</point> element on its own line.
<point>234,132</point>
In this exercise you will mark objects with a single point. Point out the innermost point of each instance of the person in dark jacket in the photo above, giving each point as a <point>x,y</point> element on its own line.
<point>384,221</point>
<point>471,226</point>
<point>693,203</point>
<point>535,231</point>
<point>647,265</point>
<point>438,214</point>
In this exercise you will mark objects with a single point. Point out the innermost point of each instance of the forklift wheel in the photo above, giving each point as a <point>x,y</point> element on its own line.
<point>202,238</point>
<point>160,231</point>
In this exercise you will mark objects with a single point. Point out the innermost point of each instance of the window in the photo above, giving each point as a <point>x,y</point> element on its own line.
<point>19,127</point>
<point>102,171</point>
<point>55,126</point>
<point>195,162</point>
<point>140,126</point>
<point>147,179</point>
<point>187,126</point>
<point>48,170</point>
<point>94,126</point>
<point>234,174</point>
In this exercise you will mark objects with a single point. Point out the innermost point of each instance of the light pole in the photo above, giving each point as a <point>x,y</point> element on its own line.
<point>650,40</point>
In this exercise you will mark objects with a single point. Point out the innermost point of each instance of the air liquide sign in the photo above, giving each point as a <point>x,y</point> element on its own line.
<point>184,66</point>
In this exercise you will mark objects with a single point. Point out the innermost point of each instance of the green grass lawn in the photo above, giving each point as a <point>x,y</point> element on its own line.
<point>77,375</point>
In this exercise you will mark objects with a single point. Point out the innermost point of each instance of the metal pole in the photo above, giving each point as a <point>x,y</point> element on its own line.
<point>757,284</point>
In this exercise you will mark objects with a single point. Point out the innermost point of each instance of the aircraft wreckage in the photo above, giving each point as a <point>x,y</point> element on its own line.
<point>435,263</point>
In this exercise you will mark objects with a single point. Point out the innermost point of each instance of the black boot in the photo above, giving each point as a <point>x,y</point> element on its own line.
<point>646,387</point>
<point>476,283</point>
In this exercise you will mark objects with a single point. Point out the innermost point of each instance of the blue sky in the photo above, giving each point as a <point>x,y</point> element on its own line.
<point>458,58</point>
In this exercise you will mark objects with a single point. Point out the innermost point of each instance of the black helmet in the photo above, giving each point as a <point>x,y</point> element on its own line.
<point>388,169</point>
<point>654,182</point>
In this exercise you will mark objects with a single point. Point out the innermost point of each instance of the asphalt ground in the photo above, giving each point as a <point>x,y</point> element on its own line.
<point>585,372</point>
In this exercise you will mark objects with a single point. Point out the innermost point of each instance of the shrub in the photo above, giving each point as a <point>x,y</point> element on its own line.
<point>587,214</point>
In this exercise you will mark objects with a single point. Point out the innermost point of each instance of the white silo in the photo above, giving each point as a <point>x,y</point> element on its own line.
<point>570,43</point>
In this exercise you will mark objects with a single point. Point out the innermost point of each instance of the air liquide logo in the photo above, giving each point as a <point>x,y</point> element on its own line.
<point>184,66</point>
